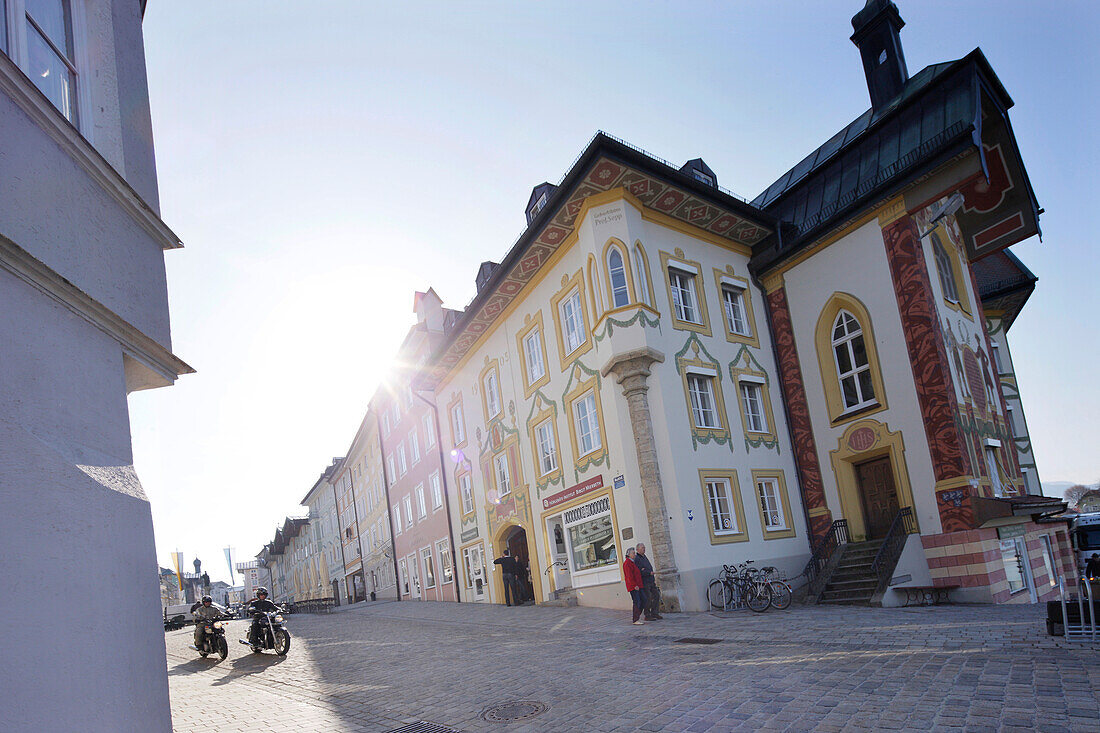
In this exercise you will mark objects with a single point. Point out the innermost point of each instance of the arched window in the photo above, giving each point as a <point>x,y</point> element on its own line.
<point>946,272</point>
<point>642,275</point>
<point>595,289</point>
<point>852,366</point>
<point>620,293</point>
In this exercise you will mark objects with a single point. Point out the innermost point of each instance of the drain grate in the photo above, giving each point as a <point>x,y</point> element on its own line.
<point>424,726</point>
<point>517,710</point>
<point>697,640</point>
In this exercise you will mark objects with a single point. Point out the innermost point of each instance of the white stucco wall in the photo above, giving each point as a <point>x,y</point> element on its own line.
<point>77,527</point>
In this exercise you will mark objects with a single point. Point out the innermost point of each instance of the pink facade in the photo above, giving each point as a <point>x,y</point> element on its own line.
<point>415,472</point>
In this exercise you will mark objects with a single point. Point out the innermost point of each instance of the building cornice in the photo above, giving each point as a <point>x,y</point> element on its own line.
<point>135,343</point>
<point>28,98</point>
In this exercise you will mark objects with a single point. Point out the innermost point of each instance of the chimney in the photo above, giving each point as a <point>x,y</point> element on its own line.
<point>876,35</point>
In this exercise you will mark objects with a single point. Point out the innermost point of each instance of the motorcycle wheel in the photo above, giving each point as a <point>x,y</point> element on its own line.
<point>282,642</point>
<point>223,648</point>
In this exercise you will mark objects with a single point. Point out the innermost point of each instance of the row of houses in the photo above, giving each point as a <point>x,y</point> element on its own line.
<point>657,360</point>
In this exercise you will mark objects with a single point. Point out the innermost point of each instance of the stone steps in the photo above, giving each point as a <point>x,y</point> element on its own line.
<point>852,582</point>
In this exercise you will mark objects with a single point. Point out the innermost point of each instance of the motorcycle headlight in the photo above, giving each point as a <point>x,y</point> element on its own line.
<point>219,624</point>
<point>279,619</point>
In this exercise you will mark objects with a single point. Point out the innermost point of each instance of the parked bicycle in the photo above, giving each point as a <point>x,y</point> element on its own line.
<point>741,584</point>
<point>781,591</point>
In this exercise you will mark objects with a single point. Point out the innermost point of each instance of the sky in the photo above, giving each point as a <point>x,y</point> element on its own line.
<point>321,162</point>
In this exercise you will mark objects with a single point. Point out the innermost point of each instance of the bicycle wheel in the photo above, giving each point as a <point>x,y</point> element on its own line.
<point>758,597</point>
<point>781,595</point>
<point>718,595</point>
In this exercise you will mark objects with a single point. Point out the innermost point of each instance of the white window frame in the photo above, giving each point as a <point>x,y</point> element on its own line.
<point>437,490</point>
<point>719,490</point>
<point>402,463</point>
<point>733,304</point>
<point>428,567</point>
<point>548,448</point>
<point>704,405</point>
<point>458,423</point>
<point>396,514</point>
<point>429,430</point>
<point>532,352</point>
<point>591,418</point>
<point>572,322</point>
<point>503,475</point>
<point>685,296</point>
<point>845,341</point>
<point>639,268</point>
<point>421,504</point>
<point>771,504</point>
<point>466,488</point>
<point>624,289</point>
<point>752,397</point>
<point>492,393</point>
<point>446,564</point>
<point>992,465</point>
<point>407,502</point>
<point>392,466</point>
<point>414,447</point>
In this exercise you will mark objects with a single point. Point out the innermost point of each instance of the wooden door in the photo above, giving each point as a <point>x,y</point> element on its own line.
<point>879,498</point>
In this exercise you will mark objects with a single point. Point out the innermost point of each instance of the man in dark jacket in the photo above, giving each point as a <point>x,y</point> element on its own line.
<point>649,584</point>
<point>509,569</point>
<point>258,605</point>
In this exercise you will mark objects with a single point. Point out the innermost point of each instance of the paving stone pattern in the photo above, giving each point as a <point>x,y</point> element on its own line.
<point>377,667</point>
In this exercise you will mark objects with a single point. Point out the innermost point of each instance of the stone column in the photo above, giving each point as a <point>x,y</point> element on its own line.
<point>631,370</point>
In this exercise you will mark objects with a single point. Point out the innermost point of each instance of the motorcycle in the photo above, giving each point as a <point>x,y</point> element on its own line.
<point>213,639</point>
<point>270,635</point>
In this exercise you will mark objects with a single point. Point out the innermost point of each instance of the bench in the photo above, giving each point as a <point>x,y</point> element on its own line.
<point>927,595</point>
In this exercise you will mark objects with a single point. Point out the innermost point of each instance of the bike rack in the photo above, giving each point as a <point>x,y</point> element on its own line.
<point>1079,631</point>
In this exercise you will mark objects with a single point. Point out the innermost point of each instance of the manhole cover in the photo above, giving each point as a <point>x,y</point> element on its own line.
<point>696,640</point>
<point>517,710</point>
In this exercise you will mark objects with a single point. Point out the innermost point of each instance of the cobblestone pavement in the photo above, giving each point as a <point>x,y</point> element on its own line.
<point>377,667</point>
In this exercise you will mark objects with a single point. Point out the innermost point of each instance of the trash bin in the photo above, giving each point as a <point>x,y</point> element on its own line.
<point>373,597</point>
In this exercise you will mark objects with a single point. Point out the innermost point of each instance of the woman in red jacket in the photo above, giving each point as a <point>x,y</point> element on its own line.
<point>633,578</point>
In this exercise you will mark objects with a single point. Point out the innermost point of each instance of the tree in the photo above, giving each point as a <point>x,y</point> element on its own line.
<point>1074,493</point>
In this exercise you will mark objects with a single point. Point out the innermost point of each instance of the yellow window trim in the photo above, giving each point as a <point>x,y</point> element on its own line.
<point>962,305</point>
<point>628,273</point>
<point>532,323</point>
<point>491,365</point>
<point>581,462</point>
<point>457,400</point>
<point>753,339</point>
<point>567,285</point>
<point>742,534</point>
<point>670,259</point>
<point>781,484</point>
<point>830,379</point>
<point>765,396</point>
<point>703,367</point>
<point>547,413</point>
<point>648,276</point>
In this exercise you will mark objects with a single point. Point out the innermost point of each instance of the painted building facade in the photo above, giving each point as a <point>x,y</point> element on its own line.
<point>82,281</point>
<point>327,543</point>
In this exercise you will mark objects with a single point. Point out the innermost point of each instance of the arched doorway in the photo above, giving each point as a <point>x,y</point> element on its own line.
<point>516,542</point>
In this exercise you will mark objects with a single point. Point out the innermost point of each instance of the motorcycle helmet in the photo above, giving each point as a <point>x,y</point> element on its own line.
<point>262,590</point>
<point>207,599</point>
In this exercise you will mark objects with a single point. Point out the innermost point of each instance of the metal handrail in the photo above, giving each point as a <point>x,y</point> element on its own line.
<point>892,544</point>
<point>823,549</point>
<point>1079,631</point>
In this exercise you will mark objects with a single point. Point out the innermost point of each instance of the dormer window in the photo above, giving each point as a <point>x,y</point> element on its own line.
<point>703,177</point>
<point>538,205</point>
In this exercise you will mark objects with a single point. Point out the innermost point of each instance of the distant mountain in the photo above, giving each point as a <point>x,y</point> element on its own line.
<point>1057,488</point>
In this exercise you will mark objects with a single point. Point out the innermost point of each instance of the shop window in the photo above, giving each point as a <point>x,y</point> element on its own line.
<point>1048,560</point>
<point>404,568</point>
<point>429,567</point>
<point>591,535</point>
<point>446,571</point>
<point>1013,557</point>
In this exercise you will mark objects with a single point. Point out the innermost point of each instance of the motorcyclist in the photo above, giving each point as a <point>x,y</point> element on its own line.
<point>203,611</point>
<point>256,606</point>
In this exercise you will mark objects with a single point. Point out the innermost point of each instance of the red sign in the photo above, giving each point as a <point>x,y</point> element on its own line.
<point>861,439</point>
<point>573,492</point>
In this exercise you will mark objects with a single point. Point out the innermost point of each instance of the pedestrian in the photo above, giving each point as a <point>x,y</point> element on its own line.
<point>649,585</point>
<point>1092,567</point>
<point>633,580</point>
<point>508,568</point>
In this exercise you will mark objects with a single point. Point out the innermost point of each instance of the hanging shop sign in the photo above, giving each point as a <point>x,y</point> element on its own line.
<point>573,492</point>
<point>1012,530</point>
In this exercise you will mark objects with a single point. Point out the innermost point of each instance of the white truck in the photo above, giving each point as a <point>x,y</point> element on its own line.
<point>1086,538</point>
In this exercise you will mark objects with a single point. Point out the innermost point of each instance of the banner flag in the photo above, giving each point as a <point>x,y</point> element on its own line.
<point>177,558</point>
<point>229,562</point>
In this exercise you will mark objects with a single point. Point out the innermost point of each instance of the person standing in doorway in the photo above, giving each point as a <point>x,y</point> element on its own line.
<point>633,579</point>
<point>508,569</point>
<point>649,585</point>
